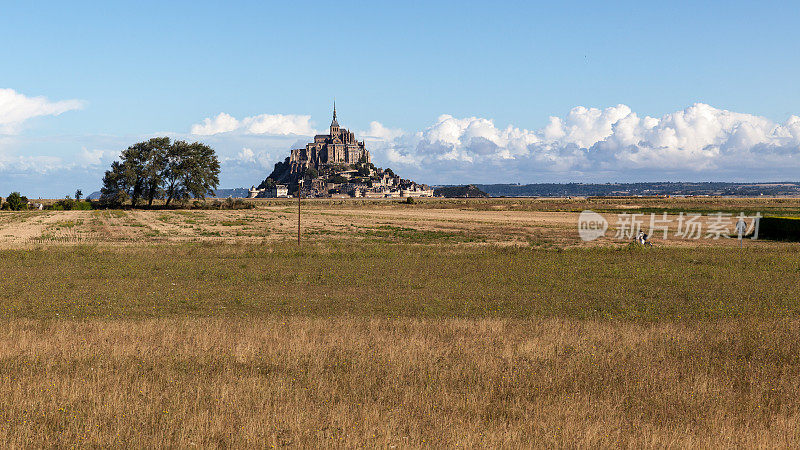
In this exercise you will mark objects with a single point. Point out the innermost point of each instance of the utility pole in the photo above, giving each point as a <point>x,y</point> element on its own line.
<point>299,193</point>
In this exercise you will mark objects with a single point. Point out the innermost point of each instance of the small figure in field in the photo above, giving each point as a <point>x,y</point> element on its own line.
<point>641,238</point>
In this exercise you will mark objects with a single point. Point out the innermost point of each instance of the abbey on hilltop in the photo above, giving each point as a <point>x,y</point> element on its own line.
<point>336,165</point>
<point>338,147</point>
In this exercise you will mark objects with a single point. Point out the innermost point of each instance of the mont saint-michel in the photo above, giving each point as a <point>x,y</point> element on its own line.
<point>336,165</point>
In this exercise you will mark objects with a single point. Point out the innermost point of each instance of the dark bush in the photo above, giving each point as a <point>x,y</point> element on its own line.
<point>16,202</point>
<point>779,228</point>
<point>69,204</point>
<point>337,179</point>
<point>229,203</point>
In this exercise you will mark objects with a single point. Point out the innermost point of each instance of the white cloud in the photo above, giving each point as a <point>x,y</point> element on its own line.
<point>223,123</point>
<point>378,132</point>
<point>279,124</point>
<point>247,158</point>
<point>614,142</point>
<point>263,124</point>
<point>32,164</point>
<point>95,157</point>
<point>16,108</point>
<point>246,155</point>
<point>395,157</point>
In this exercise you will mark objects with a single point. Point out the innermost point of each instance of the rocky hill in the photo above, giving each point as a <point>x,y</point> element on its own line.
<point>468,191</point>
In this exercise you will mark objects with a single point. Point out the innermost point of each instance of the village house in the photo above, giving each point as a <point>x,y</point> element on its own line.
<point>278,191</point>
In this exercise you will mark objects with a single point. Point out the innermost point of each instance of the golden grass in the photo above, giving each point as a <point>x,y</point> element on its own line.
<point>449,323</point>
<point>305,382</point>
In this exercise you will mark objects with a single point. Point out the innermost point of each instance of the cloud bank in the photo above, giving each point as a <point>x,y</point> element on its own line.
<point>611,144</point>
<point>263,124</point>
<point>615,144</point>
<point>16,108</point>
<point>32,164</point>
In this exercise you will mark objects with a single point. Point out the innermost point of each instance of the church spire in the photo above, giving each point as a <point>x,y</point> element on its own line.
<point>334,123</point>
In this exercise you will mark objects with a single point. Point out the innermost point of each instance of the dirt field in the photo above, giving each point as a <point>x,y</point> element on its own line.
<point>525,222</point>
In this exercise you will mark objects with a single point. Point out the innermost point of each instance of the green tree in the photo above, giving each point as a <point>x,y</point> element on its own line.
<point>311,173</point>
<point>17,202</point>
<point>337,179</point>
<point>191,170</point>
<point>115,188</point>
<point>148,160</point>
<point>269,183</point>
<point>78,195</point>
<point>158,168</point>
<point>142,167</point>
<point>176,171</point>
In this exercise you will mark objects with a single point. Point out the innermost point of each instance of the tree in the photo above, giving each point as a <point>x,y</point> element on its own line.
<point>269,183</point>
<point>191,170</point>
<point>159,168</point>
<point>311,173</point>
<point>154,167</point>
<point>202,176</point>
<point>139,173</point>
<point>67,204</point>
<point>175,171</point>
<point>337,179</point>
<point>143,168</point>
<point>115,186</point>
<point>17,202</point>
<point>78,195</point>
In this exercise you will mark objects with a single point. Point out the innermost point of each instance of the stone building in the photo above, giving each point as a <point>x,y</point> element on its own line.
<point>339,146</point>
<point>416,190</point>
<point>278,191</point>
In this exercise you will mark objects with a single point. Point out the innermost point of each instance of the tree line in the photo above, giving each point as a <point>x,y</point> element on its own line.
<point>161,169</point>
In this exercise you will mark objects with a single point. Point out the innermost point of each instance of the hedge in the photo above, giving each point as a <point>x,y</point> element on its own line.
<point>779,228</point>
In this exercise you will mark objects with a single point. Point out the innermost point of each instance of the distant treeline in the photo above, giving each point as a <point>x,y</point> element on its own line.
<point>653,188</point>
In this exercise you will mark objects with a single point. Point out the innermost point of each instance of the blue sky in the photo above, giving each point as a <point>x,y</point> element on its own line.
<point>445,92</point>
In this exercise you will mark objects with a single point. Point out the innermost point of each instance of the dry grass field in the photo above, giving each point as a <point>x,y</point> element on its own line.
<point>476,323</point>
<point>348,381</point>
